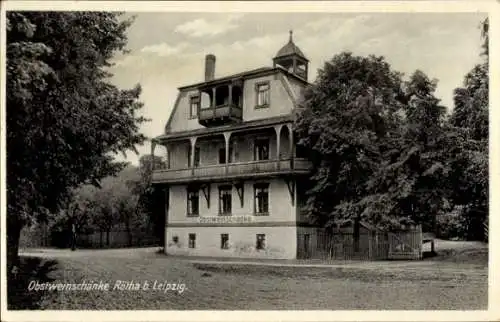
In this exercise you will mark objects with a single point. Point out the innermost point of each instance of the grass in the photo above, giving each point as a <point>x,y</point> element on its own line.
<point>29,269</point>
<point>225,286</point>
<point>338,273</point>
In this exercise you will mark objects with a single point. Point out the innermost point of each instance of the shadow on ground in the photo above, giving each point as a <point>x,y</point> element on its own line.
<point>30,269</point>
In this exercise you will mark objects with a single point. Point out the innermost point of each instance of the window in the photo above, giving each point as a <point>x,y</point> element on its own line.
<point>193,202</point>
<point>225,200</point>
<point>196,157</point>
<point>175,239</point>
<point>261,149</point>
<point>224,241</point>
<point>222,155</point>
<point>262,94</point>
<point>261,195</point>
<point>192,241</point>
<point>194,105</point>
<point>261,241</point>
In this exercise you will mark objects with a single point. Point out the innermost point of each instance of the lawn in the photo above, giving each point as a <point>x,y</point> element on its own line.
<point>439,285</point>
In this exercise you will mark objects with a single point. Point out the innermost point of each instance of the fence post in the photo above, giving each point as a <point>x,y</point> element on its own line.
<point>370,236</point>
<point>420,239</point>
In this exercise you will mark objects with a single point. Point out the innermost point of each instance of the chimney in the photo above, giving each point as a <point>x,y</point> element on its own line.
<point>209,67</point>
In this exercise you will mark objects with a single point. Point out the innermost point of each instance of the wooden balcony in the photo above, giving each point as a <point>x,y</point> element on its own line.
<point>222,114</point>
<point>240,170</point>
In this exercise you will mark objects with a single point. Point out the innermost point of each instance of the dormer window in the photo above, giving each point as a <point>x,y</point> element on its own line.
<point>194,105</point>
<point>263,94</point>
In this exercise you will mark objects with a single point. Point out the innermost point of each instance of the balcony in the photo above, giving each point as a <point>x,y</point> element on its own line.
<point>221,103</point>
<point>240,170</point>
<point>223,114</point>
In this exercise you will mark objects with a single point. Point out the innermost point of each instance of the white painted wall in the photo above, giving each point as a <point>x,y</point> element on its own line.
<point>280,104</point>
<point>280,205</point>
<point>280,242</point>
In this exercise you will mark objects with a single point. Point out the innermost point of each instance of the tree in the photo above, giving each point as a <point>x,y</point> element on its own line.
<point>350,117</point>
<point>151,199</point>
<point>65,119</point>
<point>410,184</point>
<point>77,213</point>
<point>470,121</point>
<point>378,144</point>
<point>112,205</point>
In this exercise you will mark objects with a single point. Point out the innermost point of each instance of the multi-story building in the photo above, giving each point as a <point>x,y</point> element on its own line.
<point>232,175</point>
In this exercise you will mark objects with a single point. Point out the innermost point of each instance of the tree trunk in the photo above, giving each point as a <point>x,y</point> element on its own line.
<point>107,237</point>
<point>13,234</point>
<point>129,233</point>
<point>100,238</point>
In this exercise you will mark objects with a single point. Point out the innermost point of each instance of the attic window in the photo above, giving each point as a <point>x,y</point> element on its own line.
<point>262,90</point>
<point>194,105</point>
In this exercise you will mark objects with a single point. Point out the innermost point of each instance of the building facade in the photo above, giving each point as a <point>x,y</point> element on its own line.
<point>232,175</point>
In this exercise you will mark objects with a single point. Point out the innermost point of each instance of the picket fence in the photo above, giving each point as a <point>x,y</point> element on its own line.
<point>371,245</point>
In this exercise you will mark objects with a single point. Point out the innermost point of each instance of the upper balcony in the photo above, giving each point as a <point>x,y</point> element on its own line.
<point>239,170</point>
<point>219,115</point>
<point>265,151</point>
<point>221,104</point>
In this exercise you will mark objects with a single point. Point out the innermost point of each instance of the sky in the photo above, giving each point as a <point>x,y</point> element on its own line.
<point>167,50</point>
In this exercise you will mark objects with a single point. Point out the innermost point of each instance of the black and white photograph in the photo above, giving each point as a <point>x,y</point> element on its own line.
<point>220,158</point>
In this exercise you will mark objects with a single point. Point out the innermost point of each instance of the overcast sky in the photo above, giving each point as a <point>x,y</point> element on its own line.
<point>167,50</point>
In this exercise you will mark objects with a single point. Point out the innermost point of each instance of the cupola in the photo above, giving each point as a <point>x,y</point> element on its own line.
<point>291,58</point>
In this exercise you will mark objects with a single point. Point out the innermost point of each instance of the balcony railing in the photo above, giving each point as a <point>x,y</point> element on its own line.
<point>221,114</point>
<point>249,169</point>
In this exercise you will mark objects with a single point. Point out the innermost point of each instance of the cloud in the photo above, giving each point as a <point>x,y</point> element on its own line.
<point>260,42</point>
<point>164,49</point>
<point>203,27</point>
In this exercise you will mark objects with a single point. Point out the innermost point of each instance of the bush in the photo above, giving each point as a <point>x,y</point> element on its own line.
<point>451,226</point>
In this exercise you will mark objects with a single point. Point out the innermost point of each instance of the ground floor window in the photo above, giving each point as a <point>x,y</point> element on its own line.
<point>192,241</point>
<point>224,241</point>
<point>261,241</point>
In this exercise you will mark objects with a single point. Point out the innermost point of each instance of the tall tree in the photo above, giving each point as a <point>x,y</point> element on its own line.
<point>408,185</point>
<point>351,114</point>
<point>65,119</point>
<point>151,200</point>
<point>378,144</point>
<point>470,121</point>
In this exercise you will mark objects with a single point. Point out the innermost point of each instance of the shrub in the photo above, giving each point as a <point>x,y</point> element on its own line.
<point>451,226</point>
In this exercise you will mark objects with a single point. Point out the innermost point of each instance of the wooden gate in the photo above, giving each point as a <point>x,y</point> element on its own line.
<point>405,244</point>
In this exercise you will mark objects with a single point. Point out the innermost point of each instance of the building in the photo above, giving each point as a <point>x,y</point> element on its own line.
<point>232,175</point>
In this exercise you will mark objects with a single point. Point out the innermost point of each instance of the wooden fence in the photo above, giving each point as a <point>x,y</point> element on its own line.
<point>371,245</point>
<point>41,237</point>
<point>117,239</point>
